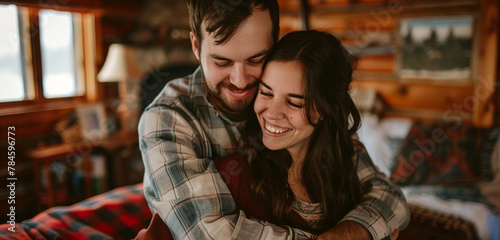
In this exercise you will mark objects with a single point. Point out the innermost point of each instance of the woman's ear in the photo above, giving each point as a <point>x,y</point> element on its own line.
<point>316,117</point>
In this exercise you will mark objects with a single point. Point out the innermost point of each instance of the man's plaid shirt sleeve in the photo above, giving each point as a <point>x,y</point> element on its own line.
<point>383,207</point>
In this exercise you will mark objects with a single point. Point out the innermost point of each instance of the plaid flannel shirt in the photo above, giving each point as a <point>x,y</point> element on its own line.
<point>181,132</point>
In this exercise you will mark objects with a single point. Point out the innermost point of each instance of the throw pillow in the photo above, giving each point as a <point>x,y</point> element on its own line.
<point>436,154</point>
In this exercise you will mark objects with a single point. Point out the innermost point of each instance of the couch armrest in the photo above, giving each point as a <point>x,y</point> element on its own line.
<point>426,224</point>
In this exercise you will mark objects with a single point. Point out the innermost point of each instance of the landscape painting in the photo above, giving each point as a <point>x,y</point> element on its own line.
<point>436,48</point>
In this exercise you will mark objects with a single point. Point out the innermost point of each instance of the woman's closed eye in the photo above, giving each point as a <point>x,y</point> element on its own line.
<point>295,105</point>
<point>267,94</point>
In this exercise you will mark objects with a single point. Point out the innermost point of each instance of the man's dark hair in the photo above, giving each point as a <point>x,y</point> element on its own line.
<point>223,17</point>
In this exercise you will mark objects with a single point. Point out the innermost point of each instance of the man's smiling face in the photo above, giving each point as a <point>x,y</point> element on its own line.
<point>232,69</point>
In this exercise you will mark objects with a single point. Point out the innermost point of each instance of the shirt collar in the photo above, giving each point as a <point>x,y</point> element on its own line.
<point>199,87</point>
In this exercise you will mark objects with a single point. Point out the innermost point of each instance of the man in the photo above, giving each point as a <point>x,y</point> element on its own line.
<point>196,119</point>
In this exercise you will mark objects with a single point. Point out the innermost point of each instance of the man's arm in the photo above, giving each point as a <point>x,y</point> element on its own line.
<point>186,190</point>
<point>351,230</point>
<point>383,210</point>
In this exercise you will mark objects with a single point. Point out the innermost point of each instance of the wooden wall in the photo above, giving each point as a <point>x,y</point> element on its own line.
<point>366,23</point>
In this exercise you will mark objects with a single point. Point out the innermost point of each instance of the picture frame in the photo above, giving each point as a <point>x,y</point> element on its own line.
<point>92,118</point>
<point>436,48</point>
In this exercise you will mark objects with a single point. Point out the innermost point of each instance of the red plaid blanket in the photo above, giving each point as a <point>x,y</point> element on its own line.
<point>117,214</point>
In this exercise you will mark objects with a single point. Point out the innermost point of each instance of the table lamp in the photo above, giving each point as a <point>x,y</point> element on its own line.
<point>121,66</point>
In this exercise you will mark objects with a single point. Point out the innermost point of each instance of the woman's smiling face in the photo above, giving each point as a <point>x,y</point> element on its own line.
<point>280,108</point>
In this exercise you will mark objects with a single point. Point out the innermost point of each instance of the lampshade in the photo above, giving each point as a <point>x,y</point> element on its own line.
<point>120,65</point>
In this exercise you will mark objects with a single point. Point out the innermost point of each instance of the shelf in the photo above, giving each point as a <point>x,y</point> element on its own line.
<point>75,185</point>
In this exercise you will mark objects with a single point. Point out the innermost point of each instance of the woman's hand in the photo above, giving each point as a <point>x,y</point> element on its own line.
<point>395,234</point>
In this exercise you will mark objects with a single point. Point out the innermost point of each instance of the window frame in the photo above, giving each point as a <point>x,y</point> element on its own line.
<point>86,57</point>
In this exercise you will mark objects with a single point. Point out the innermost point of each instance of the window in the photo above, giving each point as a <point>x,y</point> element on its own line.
<point>11,68</point>
<point>42,54</point>
<point>59,54</point>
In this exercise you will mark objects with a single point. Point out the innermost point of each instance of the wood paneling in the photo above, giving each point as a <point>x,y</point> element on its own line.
<point>351,21</point>
<point>412,96</point>
<point>337,3</point>
<point>376,63</point>
<point>288,5</point>
<point>363,4</point>
<point>289,23</point>
<point>487,72</point>
<point>35,120</point>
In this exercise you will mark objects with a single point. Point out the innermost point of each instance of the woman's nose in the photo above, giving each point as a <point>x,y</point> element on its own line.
<point>275,110</point>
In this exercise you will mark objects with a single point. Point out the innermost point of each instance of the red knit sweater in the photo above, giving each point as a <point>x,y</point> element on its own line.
<point>235,173</point>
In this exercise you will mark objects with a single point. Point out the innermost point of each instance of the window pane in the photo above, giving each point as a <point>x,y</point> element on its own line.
<point>11,70</point>
<point>57,41</point>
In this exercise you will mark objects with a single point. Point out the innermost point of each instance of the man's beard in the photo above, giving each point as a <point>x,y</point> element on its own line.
<point>234,109</point>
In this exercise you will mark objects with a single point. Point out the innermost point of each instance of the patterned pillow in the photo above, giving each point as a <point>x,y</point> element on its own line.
<point>437,154</point>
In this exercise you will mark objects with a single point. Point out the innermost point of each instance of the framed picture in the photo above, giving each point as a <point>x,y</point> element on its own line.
<point>92,119</point>
<point>436,48</point>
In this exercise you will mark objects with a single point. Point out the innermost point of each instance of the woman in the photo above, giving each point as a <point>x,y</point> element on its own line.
<point>307,120</point>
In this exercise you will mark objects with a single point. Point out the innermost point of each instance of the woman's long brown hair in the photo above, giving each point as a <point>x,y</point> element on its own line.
<point>329,171</point>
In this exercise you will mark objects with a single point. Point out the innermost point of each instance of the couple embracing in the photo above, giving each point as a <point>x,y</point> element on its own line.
<point>306,177</point>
